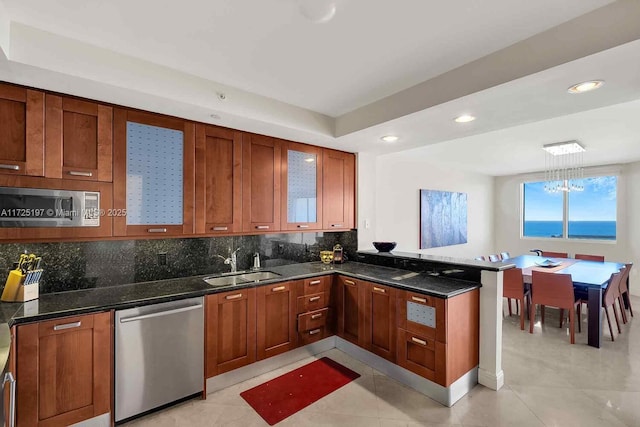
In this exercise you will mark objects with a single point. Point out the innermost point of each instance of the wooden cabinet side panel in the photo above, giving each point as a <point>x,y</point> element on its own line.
<point>27,375</point>
<point>102,362</point>
<point>463,329</point>
<point>35,133</point>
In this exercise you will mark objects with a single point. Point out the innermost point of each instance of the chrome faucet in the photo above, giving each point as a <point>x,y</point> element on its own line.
<point>232,260</point>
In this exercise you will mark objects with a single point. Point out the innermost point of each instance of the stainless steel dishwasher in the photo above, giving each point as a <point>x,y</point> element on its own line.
<point>159,355</point>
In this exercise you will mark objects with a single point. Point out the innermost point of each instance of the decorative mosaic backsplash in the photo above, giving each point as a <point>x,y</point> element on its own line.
<point>83,265</point>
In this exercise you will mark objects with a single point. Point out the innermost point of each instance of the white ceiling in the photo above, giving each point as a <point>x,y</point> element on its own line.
<point>379,67</point>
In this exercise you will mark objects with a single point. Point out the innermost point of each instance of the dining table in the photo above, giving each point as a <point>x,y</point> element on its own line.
<point>591,277</point>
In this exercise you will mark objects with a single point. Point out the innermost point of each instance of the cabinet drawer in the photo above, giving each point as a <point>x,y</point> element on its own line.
<point>314,285</point>
<point>312,335</point>
<point>417,353</point>
<point>422,314</point>
<point>312,302</point>
<point>313,320</point>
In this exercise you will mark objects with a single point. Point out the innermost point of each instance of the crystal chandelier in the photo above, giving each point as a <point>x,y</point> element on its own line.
<point>564,167</point>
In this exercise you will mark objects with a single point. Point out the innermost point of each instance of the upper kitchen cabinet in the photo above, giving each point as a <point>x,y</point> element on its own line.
<point>153,174</point>
<point>79,139</point>
<point>301,187</point>
<point>338,197</point>
<point>21,131</point>
<point>261,157</point>
<point>218,180</point>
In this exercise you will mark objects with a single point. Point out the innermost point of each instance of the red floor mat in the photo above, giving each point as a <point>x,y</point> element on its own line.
<point>281,397</point>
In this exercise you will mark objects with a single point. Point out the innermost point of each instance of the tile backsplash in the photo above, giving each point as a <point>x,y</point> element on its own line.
<point>83,265</point>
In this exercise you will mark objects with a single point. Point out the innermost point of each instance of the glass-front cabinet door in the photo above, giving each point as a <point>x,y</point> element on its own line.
<point>302,187</point>
<point>153,174</point>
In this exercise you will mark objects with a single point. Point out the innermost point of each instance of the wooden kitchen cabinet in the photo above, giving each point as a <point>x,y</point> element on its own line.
<point>315,320</point>
<point>261,179</point>
<point>79,139</point>
<point>276,318</point>
<point>350,295</point>
<point>218,180</point>
<point>230,331</point>
<point>64,370</point>
<point>380,320</point>
<point>301,187</point>
<point>338,190</point>
<point>21,131</point>
<point>153,175</point>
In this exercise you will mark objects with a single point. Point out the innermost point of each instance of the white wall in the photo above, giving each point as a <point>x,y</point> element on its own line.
<point>389,196</point>
<point>627,246</point>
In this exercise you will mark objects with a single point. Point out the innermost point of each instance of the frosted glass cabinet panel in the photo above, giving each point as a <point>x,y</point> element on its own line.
<point>154,175</point>
<point>302,185</point>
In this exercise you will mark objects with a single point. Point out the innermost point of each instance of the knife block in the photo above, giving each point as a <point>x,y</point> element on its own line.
<point>22,287</point>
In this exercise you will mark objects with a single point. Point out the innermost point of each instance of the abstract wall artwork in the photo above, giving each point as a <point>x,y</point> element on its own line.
<point>443,218</point>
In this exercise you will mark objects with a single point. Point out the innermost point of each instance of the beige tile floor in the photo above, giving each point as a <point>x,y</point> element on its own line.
<point>548,383</point>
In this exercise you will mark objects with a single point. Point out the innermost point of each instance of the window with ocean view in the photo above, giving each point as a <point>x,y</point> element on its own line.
<point>590,214</point>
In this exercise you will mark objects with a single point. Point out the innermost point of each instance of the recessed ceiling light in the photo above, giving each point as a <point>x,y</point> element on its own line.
<point>389,138</point>
<point>465,118</point>
<point>586,86</point>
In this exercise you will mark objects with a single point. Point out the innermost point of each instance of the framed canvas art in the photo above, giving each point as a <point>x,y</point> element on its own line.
<point>443,218</point>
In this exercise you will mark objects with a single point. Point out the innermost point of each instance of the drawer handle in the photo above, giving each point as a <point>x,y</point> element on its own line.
<point>336,225</point>
<point>236,296</point>
<point>418,341</point>
<point>303,226</point>
<point>220,228</point>
<point>314,282</point>
<point>157,230</point>
<point>316,316</point>
<point>312,299</point>
<point>377,289</point>
<point>79,173</point>
<point>262,227</point>
<point>67,326</point>
<point>10,167</point>
<point>422,300</point>
<point>278,289</point>
<point>315,331</point>
<point>350,282</point>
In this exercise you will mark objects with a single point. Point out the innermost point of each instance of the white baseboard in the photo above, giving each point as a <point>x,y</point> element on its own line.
<point>103,420</point>
<point>491,380</point>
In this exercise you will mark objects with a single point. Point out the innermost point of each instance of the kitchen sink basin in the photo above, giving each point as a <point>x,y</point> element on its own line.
<point>239,278</point>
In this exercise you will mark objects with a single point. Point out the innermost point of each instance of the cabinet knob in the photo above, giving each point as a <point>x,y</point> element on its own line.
<point>262,227</point>
<point>315,331</point>
<point>377,289</point>
<point>67,326</point>
<point>350,282</point>
<point>303,226</point>
<point>312,299</point>
<point>337,225</point>
<point>80,173</point>
<point>418,341</point>
<point>236,296</point>
<point>314,282</point>
<point>10,167</point>
<point>417,299</point>
<point>278,289</point>
<point>220,228</point>
<point>316,316</point>
<point>157,230</point>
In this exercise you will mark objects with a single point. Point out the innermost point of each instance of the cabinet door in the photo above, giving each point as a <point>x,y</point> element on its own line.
<point>79,139</point>
<point>218,180</point>
<point>21,131</point>
<point>154,178</point>
<point>422,355</point>
<point>350,308</point>
<point>231,331</point>
<point>301,187</point>
<point>64,370</point>
<point>380,320</point>
<point>261,183</point>
<point>338,190</point>
<point>276,319</point>
<point>422,314</point>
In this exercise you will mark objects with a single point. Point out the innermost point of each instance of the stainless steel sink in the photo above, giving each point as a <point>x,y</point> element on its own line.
<point>239,278</point>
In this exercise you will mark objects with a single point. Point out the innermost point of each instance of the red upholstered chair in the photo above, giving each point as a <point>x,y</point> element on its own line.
<point>599,258</point>
<point>513,287</point>
<point>494,258</point>
<point>555,290</point>
<point>555,254</point>
<point>624,292</point>
<point>611,294</point>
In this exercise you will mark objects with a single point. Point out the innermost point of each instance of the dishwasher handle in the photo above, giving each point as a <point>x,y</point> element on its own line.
<point>8,378</point>
<point>160,313</point>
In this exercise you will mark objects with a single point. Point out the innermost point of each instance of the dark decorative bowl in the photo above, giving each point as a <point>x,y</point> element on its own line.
<point>384,246</point>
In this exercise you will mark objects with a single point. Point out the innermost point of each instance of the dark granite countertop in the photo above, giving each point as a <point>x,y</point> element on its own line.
<point>484,265</point>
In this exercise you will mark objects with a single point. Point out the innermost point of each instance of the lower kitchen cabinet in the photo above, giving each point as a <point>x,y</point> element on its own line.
<point>421,355</point>
<point>276,329</point>
<point>314,315</point>
<point>379,329</point>
<point>64,370</point>
<point>350,302</point>
<point>230,330</point>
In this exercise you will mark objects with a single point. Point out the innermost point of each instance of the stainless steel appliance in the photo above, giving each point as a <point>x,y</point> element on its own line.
<point>39,207</point>
<point>159,355</point>
<point>7,377</point>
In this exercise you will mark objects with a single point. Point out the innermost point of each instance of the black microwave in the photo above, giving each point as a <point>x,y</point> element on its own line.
<point>39,207</point>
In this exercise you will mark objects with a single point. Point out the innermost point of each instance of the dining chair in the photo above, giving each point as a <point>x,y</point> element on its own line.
<point>624,292</point>
<point>494,257</point>
<point>555,254</point>
<point>555,290</point>
<point>611,295</point>
<point>513,287</point>
<point>599,258</point>
<point>504,255</point>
